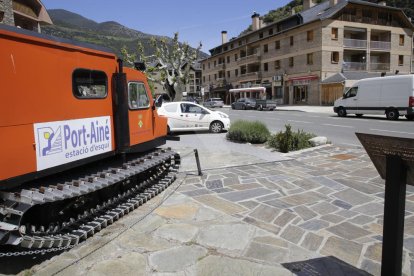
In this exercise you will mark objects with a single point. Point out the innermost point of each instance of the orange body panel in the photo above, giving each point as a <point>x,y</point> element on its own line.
<point>36,87</point>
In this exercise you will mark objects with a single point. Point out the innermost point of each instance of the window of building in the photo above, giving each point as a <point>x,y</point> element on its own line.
<point>228,74</point>
<point>271,31</point>
<point>335,57</point>
<point>215,76</point>
<point>265,67</point>
<point>231,46</point>
<point>402,38</point>
<point>204,67</point>
<point>204,79</point>
<point>277,64</point>
<point>265,48</point>
<point>87,84</point>
<point>137,95</point>
<point>260,35</point>
<point>291,62</point>
<point>277,44</point>
<point>209,79</point>
<point>291,41</point>
<point>235,57</point>
<point>400,60</point>
<point>309,59</point>
<point>240,43</point>
<point>228,59</point>
<point>309,35</point>
<point>215,63</point>
<point>209,65</point>
<point>225,48</point>
<point>236,72</point>
<point>334,34</point>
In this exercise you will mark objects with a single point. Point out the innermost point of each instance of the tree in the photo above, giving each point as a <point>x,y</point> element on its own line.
<point>169,65</point>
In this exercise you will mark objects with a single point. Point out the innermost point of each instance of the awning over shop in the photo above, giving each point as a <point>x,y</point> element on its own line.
<point>250,89</point>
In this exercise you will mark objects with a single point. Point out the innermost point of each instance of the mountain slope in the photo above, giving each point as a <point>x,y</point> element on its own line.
<point>109,34</point>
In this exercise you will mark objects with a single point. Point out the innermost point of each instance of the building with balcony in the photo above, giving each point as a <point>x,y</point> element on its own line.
<point>292,57</point>
<point>26,14</point>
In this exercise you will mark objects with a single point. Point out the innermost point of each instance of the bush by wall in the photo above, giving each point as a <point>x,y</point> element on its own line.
<point>248,132</point>
<point>289,141</point>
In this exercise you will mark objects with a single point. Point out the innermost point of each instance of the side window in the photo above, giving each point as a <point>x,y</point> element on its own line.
<point>137,95</point>
<point>89,84</point>
<point>190,108</point>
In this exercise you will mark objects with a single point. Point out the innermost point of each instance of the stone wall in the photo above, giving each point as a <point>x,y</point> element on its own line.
<point>6,12</point>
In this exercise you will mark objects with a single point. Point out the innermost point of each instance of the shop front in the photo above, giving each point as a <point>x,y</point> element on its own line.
<point>303,90</point>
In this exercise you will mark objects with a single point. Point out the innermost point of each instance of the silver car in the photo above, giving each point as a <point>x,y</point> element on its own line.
<point>213,102</point>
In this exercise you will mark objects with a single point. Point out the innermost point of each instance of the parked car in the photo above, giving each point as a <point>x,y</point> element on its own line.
<point>244,103</point>
<point>213,102</point>
<point>186,116</point>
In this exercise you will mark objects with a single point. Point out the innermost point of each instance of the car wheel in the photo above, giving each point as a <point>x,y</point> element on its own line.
<point>260,108</point>
<point>359,115</point>
<point>216,127</point>
<point>392,114</point>
<point>232,107</point>
<point>409,117</point>
<point>341,112</point>
<point>168,130</point>
<point>243,107</point>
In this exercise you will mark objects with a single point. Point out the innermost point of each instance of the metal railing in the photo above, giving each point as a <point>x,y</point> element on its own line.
<point>355,43</point>
<point>249,58</point>
<point>379,66</point>
<point>354,66</point>
<point>380,45</point>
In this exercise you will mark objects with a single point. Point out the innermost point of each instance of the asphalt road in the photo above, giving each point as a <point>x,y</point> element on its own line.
<point>338,130</point>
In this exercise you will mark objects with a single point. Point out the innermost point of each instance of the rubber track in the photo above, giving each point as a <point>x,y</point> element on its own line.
<point>165,161</point>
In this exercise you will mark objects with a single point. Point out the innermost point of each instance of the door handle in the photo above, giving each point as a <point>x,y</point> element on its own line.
<point>355,99</point>
<point>181,115</point>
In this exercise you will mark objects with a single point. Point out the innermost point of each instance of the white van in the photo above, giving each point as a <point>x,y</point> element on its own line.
<point>392,96</point>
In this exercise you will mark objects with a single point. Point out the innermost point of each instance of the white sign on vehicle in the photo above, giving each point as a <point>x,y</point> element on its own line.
<point>63,142</point>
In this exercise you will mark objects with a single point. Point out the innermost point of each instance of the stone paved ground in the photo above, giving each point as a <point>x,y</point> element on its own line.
<point>248,220</point>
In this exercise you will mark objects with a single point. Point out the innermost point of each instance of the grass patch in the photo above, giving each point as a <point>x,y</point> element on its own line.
<point>248,132</point>
<point>285,141</point>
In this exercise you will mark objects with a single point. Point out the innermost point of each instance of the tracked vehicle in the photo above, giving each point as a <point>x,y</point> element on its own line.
<point>79,140</point>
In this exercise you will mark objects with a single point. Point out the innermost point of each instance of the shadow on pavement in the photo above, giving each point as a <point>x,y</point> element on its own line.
<point>323,266</point>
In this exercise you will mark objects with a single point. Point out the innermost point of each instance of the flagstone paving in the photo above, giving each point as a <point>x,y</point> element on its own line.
<point>248,220</point>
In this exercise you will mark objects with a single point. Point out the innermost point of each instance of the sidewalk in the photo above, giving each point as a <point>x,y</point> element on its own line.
<point>307,108</point>
<point>320,212</point>
<point>302,108</point>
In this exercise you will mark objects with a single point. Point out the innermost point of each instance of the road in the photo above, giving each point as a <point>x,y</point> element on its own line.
<point>337,130</point>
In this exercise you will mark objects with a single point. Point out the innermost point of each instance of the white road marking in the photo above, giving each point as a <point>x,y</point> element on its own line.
<point>300,122</point>
<point>402,132</point>
<point>338,126</point>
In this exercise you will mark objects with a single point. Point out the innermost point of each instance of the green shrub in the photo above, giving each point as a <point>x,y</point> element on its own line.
<point>248,132</point>
<point>289,141</point>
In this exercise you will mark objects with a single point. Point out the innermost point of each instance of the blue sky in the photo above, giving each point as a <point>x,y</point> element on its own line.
<point>194,20</point>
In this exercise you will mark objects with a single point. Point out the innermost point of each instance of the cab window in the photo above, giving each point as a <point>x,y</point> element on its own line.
<point>351,92</point>
<point>89,84</point>
<point>137,95</point>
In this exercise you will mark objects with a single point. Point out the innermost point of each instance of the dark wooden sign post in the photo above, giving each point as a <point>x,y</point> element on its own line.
<point>393,157</point>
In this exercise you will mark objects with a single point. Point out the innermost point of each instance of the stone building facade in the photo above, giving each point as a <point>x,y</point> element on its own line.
<point>291,57</point>
<point>26,14</point>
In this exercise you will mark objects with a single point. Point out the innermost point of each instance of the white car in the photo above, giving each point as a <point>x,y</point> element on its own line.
<point>186,116</point>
